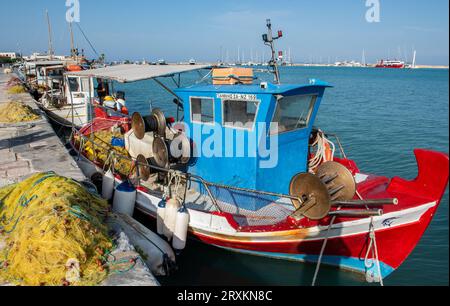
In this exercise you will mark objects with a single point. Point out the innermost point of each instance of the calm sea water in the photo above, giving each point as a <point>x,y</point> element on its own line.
<point>380,116</point>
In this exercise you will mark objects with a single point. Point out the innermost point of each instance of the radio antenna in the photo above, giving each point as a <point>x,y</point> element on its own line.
<point>269,41</point>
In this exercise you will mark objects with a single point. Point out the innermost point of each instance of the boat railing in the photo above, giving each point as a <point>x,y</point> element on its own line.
<point>341,148</point>
<point>111,112</point>
<point>248,206</point>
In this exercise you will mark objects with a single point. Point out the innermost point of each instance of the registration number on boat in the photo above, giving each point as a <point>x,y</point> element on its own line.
<point>234,96</point>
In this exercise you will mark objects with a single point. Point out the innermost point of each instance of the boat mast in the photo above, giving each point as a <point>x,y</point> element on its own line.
<point>269,41</point>
<point>72,44</point>
<point>364,58</point>
<point>50,42</point>
<point>414,59</point>
<point>239,55</point>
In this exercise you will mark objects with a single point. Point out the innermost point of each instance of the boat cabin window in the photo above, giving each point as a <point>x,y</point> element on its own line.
<point>293,113</point>
<point>55,73</point>
<point>74,85</point>
<point>239,113</point>
<point>202,110</point>
<point>85,84</point>
<point>79,84</point>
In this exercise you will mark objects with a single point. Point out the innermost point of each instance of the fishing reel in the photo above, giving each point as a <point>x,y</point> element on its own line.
<point>316,193</point>
<point>169,147</point>
<point>171,151</point>
<point>155,122</point>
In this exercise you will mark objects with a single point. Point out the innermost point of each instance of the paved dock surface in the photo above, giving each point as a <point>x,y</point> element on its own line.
<point>28,148</point>
<point>33,147</point>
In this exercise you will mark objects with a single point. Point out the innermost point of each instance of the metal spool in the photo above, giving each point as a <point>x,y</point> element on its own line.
<point>156,122</point>
<point>338,179</point>
<point>138,125</point>
<point>143,167</point>
<point>184,147</point>
<point>160,153</point>
<point>316,202</point>
<point>161,120</point>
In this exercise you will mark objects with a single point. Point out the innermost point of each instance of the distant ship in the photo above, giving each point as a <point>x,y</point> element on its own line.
<point>390,64</point>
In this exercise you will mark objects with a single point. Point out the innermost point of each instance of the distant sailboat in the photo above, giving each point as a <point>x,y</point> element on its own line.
<point>413,66</point>
<point>364,64</point>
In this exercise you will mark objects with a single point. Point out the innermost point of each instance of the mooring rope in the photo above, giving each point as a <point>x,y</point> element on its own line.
<point>374,248</point>
<point>322,250</point>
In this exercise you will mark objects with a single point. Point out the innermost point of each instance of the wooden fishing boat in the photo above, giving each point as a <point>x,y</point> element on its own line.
<point>312,204</point>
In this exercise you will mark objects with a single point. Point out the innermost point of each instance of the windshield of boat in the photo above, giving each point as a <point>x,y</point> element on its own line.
<point>292,113</point>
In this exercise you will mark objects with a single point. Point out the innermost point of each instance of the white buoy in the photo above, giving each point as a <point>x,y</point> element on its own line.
<point>160,217</point>
<point>181,229</point>
<point>124,199</point>
<point>170,217</point>
<point>108,185</point>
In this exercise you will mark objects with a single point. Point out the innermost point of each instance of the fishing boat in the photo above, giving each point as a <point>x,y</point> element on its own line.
<point>293,194</point>
<point>390,64</point>
<point>64,102</point>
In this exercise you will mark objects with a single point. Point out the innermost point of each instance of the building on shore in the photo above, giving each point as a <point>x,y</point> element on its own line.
<point>9,55</point>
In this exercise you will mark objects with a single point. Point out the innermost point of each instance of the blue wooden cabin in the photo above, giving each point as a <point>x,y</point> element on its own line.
<point>226,120</point>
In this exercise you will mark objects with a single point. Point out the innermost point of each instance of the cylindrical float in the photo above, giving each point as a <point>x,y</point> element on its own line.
<point>108,185</point>
<point>160,217</point>
<point>170,217</point>
<point>124,199</point>
<point>181,229</point>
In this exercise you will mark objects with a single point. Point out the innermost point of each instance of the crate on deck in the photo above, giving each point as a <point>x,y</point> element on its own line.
<point>232,76</point>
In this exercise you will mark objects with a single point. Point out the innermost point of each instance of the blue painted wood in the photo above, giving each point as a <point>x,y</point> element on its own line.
<point>246,171</point>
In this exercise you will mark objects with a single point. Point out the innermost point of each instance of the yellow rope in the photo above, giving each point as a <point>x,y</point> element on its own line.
<point>14,112</point>
<point>101,155</point>
<point>46,221</point>
<point>17,89</point>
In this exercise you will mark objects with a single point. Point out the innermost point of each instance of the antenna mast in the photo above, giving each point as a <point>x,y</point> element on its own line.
<point>269,41</point>
<point>50,42</point>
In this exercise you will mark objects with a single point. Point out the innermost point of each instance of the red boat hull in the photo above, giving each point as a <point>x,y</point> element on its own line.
<point>397,232</point>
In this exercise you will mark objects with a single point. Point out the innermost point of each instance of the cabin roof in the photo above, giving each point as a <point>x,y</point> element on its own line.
<point>132,73</point>
<point>255,88</point>
<point>45,63</point>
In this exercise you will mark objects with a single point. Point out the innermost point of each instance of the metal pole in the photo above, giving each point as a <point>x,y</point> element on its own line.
<point>50,43</point>
<point>272,47</point>
<point>72,44</point>
<point>71,101</point>
<point>178,103</point>
<point>357,213</point>
<point>375,202</point>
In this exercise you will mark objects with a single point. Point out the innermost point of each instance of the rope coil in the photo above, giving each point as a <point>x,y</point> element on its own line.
<point>325,151</point>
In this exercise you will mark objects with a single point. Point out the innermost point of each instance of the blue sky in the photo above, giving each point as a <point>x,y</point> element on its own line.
<point>319,30</point>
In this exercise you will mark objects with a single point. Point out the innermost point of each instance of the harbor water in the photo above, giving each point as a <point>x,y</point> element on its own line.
<point>381,115</point>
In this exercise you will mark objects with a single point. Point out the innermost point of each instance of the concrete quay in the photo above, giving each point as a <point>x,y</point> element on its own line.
<point>32,147</point>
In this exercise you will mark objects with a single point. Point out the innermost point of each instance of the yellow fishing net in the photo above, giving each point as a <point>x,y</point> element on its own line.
<point>102,152</point>
<point>14,112</point>
<point>54,233</point>
<point>17,89</point>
